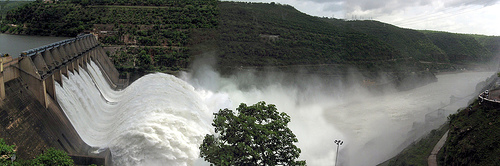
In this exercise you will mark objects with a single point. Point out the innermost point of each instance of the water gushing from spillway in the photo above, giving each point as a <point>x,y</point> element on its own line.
<point>161,120</point>
<point>157,120</point>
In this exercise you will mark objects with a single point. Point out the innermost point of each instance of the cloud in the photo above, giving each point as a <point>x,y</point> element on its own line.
<point>457,3</point>
<point>377,8</point>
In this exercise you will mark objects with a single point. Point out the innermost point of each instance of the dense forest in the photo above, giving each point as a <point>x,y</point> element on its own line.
<point>410,43</point>
<point>256,34</point>
<point>459,48</point>
<point>166,35</point>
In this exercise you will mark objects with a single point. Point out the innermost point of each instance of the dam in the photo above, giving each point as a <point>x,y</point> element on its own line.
<point>70,102</point>
<point>32,119</point>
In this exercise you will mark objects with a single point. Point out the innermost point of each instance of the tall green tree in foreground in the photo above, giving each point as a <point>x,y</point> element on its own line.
<point>255,135</point>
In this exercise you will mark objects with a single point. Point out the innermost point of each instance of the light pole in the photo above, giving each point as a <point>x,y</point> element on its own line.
<point>338,142</point>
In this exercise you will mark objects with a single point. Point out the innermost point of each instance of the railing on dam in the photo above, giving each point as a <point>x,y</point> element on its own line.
<point>51,57</point>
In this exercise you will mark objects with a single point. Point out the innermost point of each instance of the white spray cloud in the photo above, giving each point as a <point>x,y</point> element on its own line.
<point>161,120</point>
<point>373,126</point>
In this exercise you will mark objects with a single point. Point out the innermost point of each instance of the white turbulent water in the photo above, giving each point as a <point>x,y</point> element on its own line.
<point>161,120</point>
<point>372,126</point>
<point>157,120</point>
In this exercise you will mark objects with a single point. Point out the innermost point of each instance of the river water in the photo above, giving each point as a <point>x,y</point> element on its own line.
<point>15,44</point>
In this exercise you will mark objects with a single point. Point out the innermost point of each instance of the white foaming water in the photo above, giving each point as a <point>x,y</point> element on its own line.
<point>161,120</point>
<point>371,126</point>
<point>157,120</point>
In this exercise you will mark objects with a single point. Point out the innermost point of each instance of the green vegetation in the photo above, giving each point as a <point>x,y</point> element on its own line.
<point>166,35</point>
<point>460,48</point>
<point>417,153</point>
<point>6,6</point>
<point>50,157</point>
<point>160,27</point>
<point>70,17</point>
<point>6,151</point>
<point>53,157</point>
<point>256,135</point>
<point>473,137</point>
<point>491,43</point>
<point>257,34</point>
<point>408,42</point>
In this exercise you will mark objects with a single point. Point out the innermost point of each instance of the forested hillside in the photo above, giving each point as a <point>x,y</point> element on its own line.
<point>460,48</point>
<point>491,43</point>
<point>153,35</point>
<point>166,35</point>
<point>410,43</point>
<point>259,35</point>
<point>429,46</point>
<point>271,34</point>
<point>6,6</point>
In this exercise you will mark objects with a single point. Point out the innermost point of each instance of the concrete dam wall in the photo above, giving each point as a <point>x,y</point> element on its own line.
<point>31,117</point>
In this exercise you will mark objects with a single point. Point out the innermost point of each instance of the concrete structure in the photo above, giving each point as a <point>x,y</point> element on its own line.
<point>30,113</point>
<point>492,99</point>
<point>41,67</point>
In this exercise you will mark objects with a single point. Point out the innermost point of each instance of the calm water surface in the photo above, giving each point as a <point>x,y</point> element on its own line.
<point>15,44</point>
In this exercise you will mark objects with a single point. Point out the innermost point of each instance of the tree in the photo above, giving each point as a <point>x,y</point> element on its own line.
<point>6,152</point>
<point>53,157</point>
<point>50,157</point>
<point>256,135</point>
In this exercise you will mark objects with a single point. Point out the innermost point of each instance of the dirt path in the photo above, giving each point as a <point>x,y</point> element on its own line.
<point>432,160</point>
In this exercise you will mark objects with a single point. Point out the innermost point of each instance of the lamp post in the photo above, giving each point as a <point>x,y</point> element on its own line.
<point>338,142</point>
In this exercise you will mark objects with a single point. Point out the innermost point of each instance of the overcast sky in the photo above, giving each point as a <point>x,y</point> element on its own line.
<point>460,16</point>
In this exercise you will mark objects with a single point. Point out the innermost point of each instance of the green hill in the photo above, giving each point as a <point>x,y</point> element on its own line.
<point>460,48</point>
<point>491,43</point>
<point>166,35</point>
<point>153,35</point>
<point>258,34</point>
<point>410,43</point>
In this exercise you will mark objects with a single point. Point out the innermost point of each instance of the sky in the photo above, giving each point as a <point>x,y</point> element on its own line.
<point>457,16</point>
